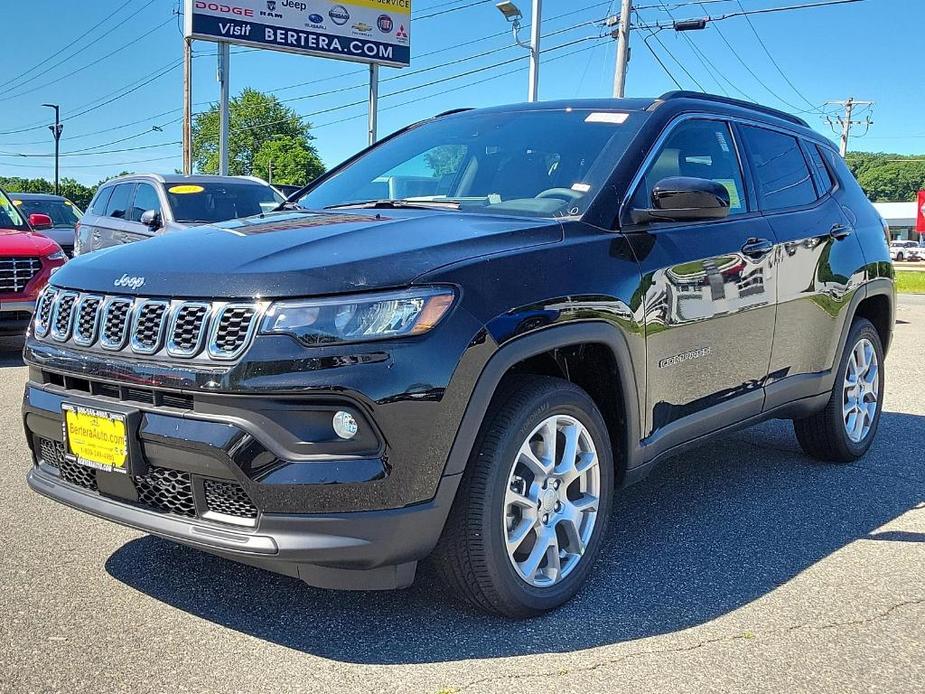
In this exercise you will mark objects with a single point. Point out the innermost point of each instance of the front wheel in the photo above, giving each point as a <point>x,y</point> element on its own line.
<point>845,429</point>
<point>899,257</point>
<point>533,505</point>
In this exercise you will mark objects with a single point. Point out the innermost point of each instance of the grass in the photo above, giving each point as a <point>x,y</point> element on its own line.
<point>910,282</point>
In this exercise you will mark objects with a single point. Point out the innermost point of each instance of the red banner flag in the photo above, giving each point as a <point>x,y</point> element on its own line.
<point>920,216</point>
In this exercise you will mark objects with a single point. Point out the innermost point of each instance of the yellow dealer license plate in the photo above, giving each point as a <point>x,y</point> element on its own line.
<point>95,438</point>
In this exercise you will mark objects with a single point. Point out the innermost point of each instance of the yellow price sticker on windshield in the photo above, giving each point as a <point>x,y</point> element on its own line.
<point>185,190</point>
<point>18,203</point>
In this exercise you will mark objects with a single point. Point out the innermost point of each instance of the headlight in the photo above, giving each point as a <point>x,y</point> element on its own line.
<point>360,317</point>
<point>57,255</point>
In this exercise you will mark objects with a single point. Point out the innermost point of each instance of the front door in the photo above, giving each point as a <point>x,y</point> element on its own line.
<point>710,297</point>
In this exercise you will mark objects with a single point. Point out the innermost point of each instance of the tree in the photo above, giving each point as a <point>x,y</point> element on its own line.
<point>445,159</point>
<point>259,124</point>
<point>888,177</point>
<point>77,193</point>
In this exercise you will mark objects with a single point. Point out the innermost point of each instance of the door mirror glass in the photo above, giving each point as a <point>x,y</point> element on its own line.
<point>684,198</point>
<point>151,219</point>
<point>40,222</point>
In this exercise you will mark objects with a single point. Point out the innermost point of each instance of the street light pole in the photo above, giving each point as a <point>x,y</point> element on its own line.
<point>535,27</point>
<point>56,130</point>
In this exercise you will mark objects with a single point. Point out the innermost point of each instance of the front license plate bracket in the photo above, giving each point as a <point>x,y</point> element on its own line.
<point>103,439</point>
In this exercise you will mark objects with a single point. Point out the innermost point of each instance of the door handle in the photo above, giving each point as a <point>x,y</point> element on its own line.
<point>756,248</point>
<point>840,231</point>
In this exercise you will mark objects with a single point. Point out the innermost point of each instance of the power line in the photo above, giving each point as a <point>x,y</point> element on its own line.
<point>654,35</point>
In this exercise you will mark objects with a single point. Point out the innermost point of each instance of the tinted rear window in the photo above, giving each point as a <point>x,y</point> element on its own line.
<point>781,171</point>
<point>99,203</point>
<point>194,203</point>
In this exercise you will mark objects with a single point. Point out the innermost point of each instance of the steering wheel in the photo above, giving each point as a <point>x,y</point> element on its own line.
<point>566,194</point>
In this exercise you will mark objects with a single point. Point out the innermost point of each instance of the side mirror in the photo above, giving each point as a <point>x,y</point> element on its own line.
<point>40,222</point>
<point>152,219</point>
<point>682,198</point>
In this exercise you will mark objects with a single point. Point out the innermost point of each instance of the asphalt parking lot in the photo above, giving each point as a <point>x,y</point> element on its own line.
<point>740,567</point>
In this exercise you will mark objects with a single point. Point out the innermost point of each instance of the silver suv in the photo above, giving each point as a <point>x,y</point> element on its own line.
<point>137,207</point>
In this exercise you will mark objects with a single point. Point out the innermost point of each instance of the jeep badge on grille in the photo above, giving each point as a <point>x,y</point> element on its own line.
<point>129,282</point>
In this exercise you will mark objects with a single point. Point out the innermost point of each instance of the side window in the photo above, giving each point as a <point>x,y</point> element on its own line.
<point>702,149</point>
<point>100,202</point>
<point>119,202</point>
<point>781,173</point>
<point>145,199</point>
<point>822,171</point>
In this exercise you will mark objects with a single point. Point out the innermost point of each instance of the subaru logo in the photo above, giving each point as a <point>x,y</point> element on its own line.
<point>316,19</point>
<point>339,15</point>
<point>129,282</point>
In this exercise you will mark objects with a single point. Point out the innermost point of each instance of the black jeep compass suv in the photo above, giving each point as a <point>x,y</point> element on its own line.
<point>463,340</point>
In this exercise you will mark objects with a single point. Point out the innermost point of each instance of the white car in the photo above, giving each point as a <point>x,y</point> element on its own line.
<point>906,250</point>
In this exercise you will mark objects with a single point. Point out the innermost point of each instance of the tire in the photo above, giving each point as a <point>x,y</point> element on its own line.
<point>472,555</point>
<point>899,257</point>
<point>825,435</point>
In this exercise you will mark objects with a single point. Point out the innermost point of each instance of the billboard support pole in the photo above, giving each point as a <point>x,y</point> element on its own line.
<point>373,102</point>
<point>224,62</point>
<point>187,107</point>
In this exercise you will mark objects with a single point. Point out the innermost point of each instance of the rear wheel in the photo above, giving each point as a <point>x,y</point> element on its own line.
<point>900,257</point>
<point>845,429</point>
<point>532,509</point>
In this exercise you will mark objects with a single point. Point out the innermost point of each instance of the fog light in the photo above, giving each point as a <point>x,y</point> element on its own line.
<point>345,425</point>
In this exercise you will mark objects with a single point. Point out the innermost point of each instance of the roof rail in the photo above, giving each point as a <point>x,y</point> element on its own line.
<point>452,111</point>
<point>704,96</point>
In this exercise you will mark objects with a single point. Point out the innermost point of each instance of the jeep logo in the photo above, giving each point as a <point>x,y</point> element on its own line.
<point>129,282</point>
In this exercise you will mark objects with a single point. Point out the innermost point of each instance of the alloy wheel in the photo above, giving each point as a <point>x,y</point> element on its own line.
<point>861,390</point>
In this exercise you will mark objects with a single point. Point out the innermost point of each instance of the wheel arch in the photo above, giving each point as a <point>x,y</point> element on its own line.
<point>558,351</point>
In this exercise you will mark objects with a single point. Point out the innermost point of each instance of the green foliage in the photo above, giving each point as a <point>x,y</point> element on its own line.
<point>261,128</point>
<point>76,192</point>
<point>445,159</point>
<point>910,282</point>
<point>888,177</point>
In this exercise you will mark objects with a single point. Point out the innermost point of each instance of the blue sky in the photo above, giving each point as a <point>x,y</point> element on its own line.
<point>868,50</point>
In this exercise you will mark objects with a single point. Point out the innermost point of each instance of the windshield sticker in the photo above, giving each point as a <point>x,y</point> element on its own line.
<point>581,187</point>
<point>721,138</point>
<point>185,190</point>
<point>18,203</point>
<point>602,117</point>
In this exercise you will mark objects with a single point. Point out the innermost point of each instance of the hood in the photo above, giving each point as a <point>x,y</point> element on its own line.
<point>14,242</point>
<point>286,254</point>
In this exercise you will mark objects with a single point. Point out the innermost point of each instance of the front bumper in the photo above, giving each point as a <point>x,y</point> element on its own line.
<point>15,316</point>
<point>375,550</point>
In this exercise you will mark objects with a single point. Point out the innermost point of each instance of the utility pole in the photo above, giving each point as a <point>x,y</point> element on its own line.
<point>623,49</point>
<point>187,107</point>
<point>56,130</point>
<point>847,122</point>
<point>224,60</point>
<point>270,172</point>
<point>373,103</point>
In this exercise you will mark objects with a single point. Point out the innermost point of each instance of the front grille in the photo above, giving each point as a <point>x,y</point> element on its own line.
<point>87,320</point>
<point>16,273</point>
<point>229,498</point>
<point>158,398</point>
<point>184,329</point>
<point>232,331</point>
<point>167,490</point>
<point>162,489</point>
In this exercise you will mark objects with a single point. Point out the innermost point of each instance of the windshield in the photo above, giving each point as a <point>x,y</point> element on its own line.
<point>218,202</point>
<point>533,163</point>
<point>62,212</point>
<point>9,215</point>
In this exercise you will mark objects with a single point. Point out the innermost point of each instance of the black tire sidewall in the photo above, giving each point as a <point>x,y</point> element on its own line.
<point>571,401</point>
<point>862,329</point>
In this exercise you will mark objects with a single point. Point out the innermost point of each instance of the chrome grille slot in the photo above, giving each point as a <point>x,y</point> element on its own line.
<point>87,320</point>
<point>43,311</point>
<point>16,273</point>
<point>62,316</point>
<point>148,326</point>
<point>115,323</point>
<point>188,329</point>
<point>232,330</point>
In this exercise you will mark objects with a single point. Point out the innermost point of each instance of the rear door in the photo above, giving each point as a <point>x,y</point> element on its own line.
<point>816,258</point>
<point>710,290</point>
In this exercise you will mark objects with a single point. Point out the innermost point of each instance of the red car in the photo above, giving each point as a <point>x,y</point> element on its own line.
<point>27,260</point>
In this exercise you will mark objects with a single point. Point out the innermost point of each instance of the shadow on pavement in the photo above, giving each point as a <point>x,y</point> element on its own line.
<point>707,533</point>
<point>11,351</point>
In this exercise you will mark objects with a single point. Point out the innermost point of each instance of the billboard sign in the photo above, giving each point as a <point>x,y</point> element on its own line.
<point>367,31</point>
<point>920,216</point>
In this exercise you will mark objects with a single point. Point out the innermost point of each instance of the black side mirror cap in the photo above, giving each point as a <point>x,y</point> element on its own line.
<point>152,219</point>
<point>683,198</point>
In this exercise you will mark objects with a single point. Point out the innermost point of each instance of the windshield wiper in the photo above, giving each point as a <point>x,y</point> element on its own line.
<point>385,204</point>
<point>287,205</point>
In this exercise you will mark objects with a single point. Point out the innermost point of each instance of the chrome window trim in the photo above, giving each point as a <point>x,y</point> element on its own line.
<point>48,294</point>
<point>175,310</point>
<point>219,312</point>
<point>105,343</point>
<point>140,305</point>
<point>75,321</point>
<point>62,336</point>
<point>743,160</point>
